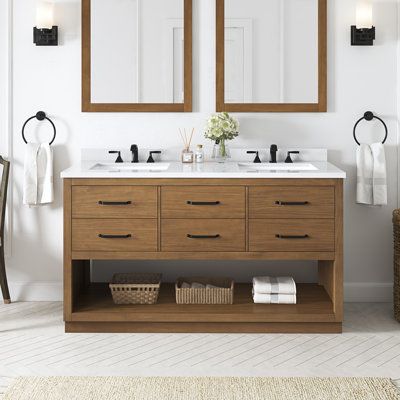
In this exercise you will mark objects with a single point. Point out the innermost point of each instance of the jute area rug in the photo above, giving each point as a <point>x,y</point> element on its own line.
<point>124,388</point>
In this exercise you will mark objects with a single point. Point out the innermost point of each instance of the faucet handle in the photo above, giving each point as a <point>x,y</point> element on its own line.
<point>151,159</point>
<point>257,159</point>
<point>288,158</point>
<point>119,158</point>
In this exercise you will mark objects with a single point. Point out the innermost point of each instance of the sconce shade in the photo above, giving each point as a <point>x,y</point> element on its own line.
<point>44,15</point>
<point>364,14</point>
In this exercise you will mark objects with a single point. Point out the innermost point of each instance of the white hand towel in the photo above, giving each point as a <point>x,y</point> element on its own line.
<point>268,285</point>
<point>264,298</point>
<point>371,174</point>
<point>379,182</point>
<point>38,175</point>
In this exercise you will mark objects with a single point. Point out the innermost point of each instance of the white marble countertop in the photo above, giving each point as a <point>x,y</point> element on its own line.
<point>322,170</point>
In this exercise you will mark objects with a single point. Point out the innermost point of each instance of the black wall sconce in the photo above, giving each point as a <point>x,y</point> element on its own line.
<point>363,33</point>
<point>45,33</point>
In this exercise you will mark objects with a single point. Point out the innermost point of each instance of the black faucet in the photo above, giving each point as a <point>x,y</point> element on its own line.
<point>135,153</point>
<point>119,158</point>
<point>288,159</point>
<point>257,159</point>
<point>151,159</point>
<point>273,150</point>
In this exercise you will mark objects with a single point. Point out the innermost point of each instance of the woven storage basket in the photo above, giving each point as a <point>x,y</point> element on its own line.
<point>135,288</point>
<point>396,237</point>
<point>222,295</point>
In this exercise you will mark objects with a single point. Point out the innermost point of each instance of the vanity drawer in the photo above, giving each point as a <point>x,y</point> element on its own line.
<point>203,235</point>
<point>203,202</point>
<point>114,235</point>
<point>114,202</point>
<point>292,235</point>
<point>291,202</point>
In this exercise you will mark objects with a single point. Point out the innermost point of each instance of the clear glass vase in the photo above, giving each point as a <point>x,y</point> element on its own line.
<point>221,151</point>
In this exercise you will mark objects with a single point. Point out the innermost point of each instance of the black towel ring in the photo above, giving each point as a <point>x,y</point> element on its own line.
<point>369,116</point>
<point>40,116</point>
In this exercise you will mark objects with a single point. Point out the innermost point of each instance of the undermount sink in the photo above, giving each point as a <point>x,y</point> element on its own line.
<point>129,167</point>
<point>278,167</point>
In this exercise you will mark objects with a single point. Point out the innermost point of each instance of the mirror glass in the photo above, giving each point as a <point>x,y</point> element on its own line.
<point>137,51</point>
<point>271,51</point>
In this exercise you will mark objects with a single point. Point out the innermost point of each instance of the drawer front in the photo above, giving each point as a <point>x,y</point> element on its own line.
<point>292,235</point>
<point>114,202</point>
<point>203,235</point>
<point>114,235</point>
<point>291,202</point>
<point>203,202</point>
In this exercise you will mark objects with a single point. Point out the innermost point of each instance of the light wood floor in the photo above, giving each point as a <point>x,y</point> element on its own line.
<point>32,342</point>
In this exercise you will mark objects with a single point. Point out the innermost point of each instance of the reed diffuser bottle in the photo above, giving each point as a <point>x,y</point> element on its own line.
<point>187,156</point>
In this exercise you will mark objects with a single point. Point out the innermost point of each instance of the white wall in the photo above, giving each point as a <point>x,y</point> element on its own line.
<point>48,78</point>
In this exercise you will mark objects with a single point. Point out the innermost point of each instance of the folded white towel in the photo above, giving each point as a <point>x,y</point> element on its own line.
<point>268,284</point>
<point>185,285</point>
<point>208,286</point>
<point>371,174</point>
<point>38,175</point>
<point>263,298</point>
<point>196,285</point>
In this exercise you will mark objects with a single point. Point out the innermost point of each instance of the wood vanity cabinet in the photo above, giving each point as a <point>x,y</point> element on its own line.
<point>203,219</point>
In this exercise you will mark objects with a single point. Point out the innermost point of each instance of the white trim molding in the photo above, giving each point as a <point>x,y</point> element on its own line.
<point>368,292</point>
<point>36,291</point>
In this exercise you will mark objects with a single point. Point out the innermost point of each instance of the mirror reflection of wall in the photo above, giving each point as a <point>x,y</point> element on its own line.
<point>271,51</point>
<point>137,51</point>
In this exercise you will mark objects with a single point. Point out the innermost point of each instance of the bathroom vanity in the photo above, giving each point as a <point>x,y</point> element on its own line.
<point>212,211</point>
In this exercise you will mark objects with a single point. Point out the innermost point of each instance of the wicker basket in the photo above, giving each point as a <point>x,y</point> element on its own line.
<point>396,236</point>
<point>221,295</point>
<point>135,288</point>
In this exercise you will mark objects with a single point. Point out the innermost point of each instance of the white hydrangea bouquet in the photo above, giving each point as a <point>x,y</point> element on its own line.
<point>220,128</point>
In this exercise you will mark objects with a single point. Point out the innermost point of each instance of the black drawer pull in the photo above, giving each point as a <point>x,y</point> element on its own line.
<point>203,236</point>
<point>114,203</point>
<point>292,236</point>
<point>292,203</point>
<point>203,203</point>
<point>102,236</point>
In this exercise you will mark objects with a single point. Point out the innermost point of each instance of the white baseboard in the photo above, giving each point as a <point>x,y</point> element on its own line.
<point>364,292</point>
<point>36,291</point>
<point>53,291</point>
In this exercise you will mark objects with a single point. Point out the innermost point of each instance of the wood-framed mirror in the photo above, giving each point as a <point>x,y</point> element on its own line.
<point>271,55</point>
<point>137,55</point>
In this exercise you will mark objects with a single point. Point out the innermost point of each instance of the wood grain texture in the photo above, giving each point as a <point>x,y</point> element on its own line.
<point>85,234</point>
<point>190,255</point>
<point>203,327</point>
<point>262,234</point>
<point>203,182</point>
<point>320,202</point>
<point>174,235</point>
<point>314,305</point>
<point>320,307</point>
<point>85,202</point>
<point>174,203</point>
<point>67,243</point>
<point>320,106</point>
<point>89,106</point>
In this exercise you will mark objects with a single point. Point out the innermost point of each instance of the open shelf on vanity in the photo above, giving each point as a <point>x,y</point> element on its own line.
<point>95,304</point>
